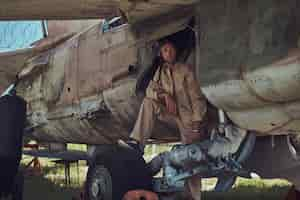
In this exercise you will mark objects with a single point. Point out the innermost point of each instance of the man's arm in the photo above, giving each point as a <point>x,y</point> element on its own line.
<point>153,90</point>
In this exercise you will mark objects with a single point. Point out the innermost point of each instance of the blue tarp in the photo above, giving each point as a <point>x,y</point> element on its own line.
<point>19,34</point>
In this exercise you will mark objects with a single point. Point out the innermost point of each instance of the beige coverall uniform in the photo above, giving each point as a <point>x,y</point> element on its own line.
<point>179,82</point>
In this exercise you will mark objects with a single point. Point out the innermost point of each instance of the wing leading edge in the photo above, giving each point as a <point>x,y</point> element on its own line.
<point>13,62</point>
<point>135,10</point>
<point>10,64</point>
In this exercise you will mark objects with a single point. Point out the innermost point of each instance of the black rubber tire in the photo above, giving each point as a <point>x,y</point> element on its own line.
<point>98,174</point>
<point>115,172</point>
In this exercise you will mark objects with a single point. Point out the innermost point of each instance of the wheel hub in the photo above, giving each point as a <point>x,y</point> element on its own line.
<point>96,189</point>
<point>101,183</point>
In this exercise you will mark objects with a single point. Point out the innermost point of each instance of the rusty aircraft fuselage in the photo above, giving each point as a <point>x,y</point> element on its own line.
<point>247,61</point>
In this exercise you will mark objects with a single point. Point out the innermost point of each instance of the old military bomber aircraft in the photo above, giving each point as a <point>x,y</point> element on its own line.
<point>84,82</point>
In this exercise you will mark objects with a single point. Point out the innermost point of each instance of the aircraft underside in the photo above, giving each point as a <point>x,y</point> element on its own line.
<point>86,85</point>
<point>246,59</point>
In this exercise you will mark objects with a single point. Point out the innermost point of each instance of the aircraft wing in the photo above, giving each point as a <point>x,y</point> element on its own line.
<point>65,155</point>
<point>135,10</point>
<point>10,64</point>
<point>57,9</point>
<point>13,62</point>
<point>141,10</point>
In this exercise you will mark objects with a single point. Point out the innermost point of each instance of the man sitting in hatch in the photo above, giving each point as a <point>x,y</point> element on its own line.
<point>173,96</point>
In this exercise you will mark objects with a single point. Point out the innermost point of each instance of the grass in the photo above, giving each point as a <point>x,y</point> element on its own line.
<point>255,189</point>
<point>41,188</point>
<point>50,185</point>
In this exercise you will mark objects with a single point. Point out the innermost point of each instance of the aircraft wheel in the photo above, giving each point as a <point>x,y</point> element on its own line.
<point>116,172</point>
<point>99,183</point>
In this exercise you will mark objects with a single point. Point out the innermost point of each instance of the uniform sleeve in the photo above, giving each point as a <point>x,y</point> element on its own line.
<point>151,91</point>
<point>154,88</point>
<point>198,100</point>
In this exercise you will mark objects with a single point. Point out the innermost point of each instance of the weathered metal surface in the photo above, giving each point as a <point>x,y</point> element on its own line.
<point>246,65</point>
<point>61,27</point>
<point>160,27</point>
<point>274,83</point>
<point>239,34</point>
<point>12,63</point>
<point>62,154</point>
<point>266,99</point>
<point>137,11</point>
<point>85,9</point>
<point>86,93</point>
<point>51,42</point>
<point>40,56</point>
<point>57,9</point>
<point>34,65</point>
<point>102,58</point>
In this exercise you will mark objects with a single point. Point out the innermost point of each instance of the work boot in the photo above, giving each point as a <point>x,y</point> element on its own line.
<point>133,145</point>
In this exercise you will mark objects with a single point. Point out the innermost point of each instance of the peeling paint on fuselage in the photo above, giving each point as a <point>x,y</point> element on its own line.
<point>86,93</point>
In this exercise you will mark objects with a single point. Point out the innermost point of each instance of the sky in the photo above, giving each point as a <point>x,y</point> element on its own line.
<point>19,34</point>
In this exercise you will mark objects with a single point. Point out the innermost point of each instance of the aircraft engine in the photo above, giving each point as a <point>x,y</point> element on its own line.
<point>222,154</point>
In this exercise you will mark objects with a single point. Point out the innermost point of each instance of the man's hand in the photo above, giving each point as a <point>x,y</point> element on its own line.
<point>194,133</point>
<point>196,126</point>
<point>170,104</point>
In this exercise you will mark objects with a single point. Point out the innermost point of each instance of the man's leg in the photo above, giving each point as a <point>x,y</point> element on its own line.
<point>194,183</point>
<point>194,187</point>
<point>144,124</point>
<point>193,190</point>
<point>150,111</point>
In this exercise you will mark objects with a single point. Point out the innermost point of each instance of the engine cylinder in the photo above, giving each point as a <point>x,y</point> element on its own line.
<point>183,155</point>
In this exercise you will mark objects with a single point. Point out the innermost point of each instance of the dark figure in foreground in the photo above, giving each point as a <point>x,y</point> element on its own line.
<point>12,118</point>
